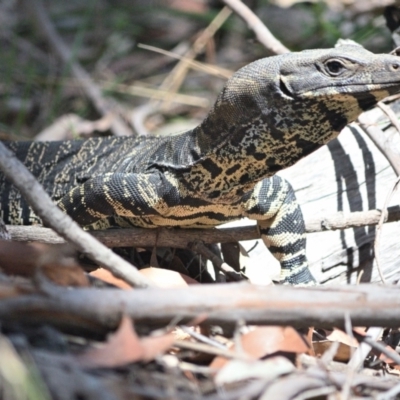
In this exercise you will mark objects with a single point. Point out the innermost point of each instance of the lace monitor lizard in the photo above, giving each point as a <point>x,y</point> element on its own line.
<point>270,114</point>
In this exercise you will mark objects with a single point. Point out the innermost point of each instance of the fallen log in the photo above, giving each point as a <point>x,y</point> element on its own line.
<point>97,311</point>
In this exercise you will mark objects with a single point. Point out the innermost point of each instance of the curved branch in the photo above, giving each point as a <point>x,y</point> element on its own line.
<point>263,34</point>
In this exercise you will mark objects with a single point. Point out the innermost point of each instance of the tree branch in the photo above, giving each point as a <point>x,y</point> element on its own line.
<point>378,138</point>
<point>93,311</point>
<point>263,34</point>
<point>181,238</point>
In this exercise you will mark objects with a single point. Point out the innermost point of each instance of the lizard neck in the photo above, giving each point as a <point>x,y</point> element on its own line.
<point>236,153</point>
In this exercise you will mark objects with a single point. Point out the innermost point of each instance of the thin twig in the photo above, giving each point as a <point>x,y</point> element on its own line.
<point>200,66</point>
<point>353,366</point>
<point>390,394</point>
<point>379,229</point>
<point>142,91</point>
<point>38,12</point>
<point>263,34</point>
<point>329,355</point>
<point>380,347</point>
<point>44,207</point>
<point>201,338</point>
<point>362,351</point>
<point>205,348</point>
<point>359,276</point>
<point>376,134</point>
<point>341,220</point>
<point>175,78</point>
<point>223,267</point>
<point>391,115</point>
<point>391,98</point>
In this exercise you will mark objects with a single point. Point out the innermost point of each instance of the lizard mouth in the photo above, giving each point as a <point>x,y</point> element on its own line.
<point>356,89</point>
<point>389,87</point>
<point>392,88</point>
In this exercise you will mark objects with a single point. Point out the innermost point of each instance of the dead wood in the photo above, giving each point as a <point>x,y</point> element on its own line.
<point>181,238</point>
<point>380,140</point>
<point>263,34</point>
<point>96,311</point>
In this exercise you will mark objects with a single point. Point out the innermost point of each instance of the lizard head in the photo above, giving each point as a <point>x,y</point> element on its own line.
<point>336,84</point>
<point>343,81</point>
<point>277,110</point>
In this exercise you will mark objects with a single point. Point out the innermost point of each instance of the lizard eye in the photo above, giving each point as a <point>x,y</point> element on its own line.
<point>334,67</point>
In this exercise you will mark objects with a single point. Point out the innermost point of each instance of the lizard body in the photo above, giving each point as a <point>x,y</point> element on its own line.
<point>271,113</point>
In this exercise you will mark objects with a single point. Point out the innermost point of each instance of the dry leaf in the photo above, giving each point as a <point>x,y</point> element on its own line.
<point>125,347</point>
<point>338,335</point>
<point>107,276</point>
<point>56,262</point>
<point>265,340</point>
<point>384,357</point>
<point>346,344</point>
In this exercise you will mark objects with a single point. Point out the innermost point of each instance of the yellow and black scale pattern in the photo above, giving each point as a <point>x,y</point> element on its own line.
<point>271,113</point>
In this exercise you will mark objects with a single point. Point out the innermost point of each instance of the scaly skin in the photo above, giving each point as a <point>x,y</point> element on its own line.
<point>271,113</point>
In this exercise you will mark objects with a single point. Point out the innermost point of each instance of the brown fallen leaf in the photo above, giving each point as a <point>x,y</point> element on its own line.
<point>385,358</point>
<point>265,340</point>
<point>346,344</point>
<point>338,335</point>
<point>124,347</point>
<point>107,276</point>
<point>56,262</point>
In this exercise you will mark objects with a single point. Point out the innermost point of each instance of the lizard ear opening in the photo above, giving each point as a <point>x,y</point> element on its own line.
<point>284,89</point>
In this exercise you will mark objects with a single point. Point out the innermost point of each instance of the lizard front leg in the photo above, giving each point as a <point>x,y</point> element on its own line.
<point>122,194</point>
<point>273,204</point>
